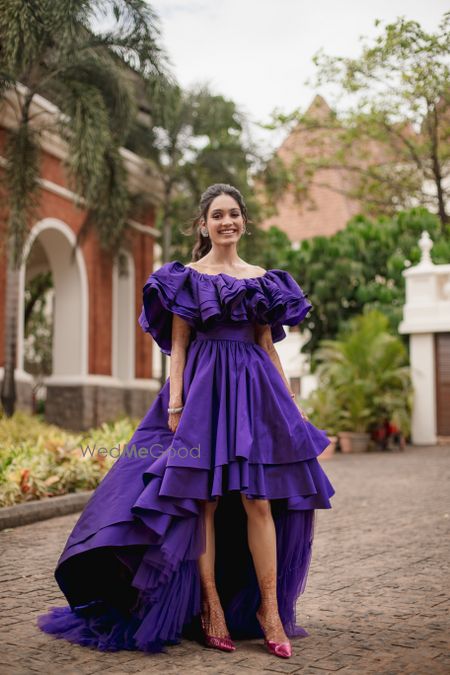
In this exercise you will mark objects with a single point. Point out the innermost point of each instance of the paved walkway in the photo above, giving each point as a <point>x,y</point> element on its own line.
<point>376,601</point>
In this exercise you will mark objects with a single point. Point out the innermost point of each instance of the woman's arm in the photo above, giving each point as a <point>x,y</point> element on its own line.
<point>263,336</point>
<point>181,332</point>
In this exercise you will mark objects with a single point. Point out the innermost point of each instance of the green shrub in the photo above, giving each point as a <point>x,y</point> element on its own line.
<point>42,460</point>
<point>365,375</point>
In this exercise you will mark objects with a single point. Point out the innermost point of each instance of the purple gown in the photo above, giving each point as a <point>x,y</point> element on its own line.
<point>129,568</point>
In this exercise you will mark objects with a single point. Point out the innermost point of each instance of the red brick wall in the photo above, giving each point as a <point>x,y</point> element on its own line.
<point>99,271</point>
<point>143,259</point>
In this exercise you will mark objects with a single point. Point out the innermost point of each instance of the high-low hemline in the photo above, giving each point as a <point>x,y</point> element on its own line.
<point>129,568</point>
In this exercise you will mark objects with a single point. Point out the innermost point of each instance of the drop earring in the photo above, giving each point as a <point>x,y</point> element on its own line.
<point>204,231</point>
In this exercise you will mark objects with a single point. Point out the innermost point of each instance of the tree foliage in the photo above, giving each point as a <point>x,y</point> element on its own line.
<point>392,145</point>
<point>361,267</point>
<point>51,48</point>
<point>199,138</point>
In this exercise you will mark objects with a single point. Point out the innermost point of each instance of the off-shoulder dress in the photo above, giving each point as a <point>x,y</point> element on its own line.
<point>129,567</point>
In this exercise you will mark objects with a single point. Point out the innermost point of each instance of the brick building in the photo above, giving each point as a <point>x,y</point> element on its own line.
<point>102,362</point>
<point>324,210</point>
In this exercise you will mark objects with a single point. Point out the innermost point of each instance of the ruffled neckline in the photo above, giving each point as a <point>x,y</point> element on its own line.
<point>224,274</point>
<point>206,300</point>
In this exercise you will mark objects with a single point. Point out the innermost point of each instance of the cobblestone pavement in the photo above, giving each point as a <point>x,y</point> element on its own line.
<point>376,601</point>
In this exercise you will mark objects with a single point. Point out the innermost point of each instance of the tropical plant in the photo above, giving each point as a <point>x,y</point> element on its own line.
<point>367,372</point>
<point>40,460</point>
<point>199,138</point>
<point>323,410</point>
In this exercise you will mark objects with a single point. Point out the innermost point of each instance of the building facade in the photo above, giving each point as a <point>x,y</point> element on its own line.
<point>101,360</point>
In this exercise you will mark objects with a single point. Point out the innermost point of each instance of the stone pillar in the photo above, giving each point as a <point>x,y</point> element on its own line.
<point>423,427</point>
<point>426,312</point>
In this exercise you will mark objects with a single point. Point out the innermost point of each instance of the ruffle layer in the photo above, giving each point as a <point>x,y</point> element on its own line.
<point>303,484</point>
<point>129,568</point>
<point>130,575</point>
<point>236,407</point>
<point>206,300</point>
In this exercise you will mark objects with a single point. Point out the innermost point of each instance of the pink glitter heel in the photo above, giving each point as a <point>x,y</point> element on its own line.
<point>282,649</point>
<point>226,644</point>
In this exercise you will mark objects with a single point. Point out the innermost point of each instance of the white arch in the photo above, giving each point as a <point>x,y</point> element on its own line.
<point>123,320</point>
<point>71,340</point>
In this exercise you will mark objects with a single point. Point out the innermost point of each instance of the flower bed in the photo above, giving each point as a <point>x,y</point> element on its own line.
<point>40,460</point>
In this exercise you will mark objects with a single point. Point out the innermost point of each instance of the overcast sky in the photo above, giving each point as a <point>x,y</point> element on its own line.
<point>259,52</point>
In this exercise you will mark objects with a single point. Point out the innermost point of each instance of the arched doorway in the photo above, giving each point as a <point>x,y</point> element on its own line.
<point>49,249</point>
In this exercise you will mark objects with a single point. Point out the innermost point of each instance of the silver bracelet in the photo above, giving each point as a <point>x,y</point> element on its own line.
<point>175,410</point>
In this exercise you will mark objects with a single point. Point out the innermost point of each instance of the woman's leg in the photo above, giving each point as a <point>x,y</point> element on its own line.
<point>263,547</point>
<point>211,606</point>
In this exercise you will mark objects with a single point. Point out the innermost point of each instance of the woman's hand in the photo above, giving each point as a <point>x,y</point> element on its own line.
<point>303,414</point>
<point>174,420</point>
<point>174,417</point>
<point>181,332</point>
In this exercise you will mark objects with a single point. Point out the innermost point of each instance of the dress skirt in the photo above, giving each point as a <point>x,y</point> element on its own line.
<point>129,569</point>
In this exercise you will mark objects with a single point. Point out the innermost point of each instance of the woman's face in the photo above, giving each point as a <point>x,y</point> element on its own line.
<point>224,221</point>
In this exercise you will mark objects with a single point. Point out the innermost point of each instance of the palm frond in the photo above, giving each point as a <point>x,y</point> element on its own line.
<point>110,209</point>
<point>88,136</point>
<point>21,174</point>
<point>366,370</point>
<point>96,71</point>
<point>6,82</point>
<point>135,36</point>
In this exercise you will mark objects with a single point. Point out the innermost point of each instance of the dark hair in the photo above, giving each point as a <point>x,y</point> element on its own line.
<point>203,244</point>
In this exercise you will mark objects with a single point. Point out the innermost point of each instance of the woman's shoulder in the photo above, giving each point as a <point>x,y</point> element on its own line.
<point>245,271</point>
<point>205,298</point>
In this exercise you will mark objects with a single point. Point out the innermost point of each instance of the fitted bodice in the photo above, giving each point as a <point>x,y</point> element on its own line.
<point>243,331</point>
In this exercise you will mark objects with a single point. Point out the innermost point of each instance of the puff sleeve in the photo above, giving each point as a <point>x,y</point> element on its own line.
<point>283,302</point>
<point>167,291</point>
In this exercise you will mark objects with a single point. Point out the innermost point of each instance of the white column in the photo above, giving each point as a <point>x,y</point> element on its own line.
<point>423,424</point>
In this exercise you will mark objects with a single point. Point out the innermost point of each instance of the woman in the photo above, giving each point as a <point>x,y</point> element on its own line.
<point>204,527</point>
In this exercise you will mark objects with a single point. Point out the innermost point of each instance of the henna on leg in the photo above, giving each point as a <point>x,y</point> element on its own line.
<point>262,544</point>
<point>212,612</point>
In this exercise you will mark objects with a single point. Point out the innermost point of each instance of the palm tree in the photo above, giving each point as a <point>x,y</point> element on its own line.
<point>199,139</point>
<point>51,48</point>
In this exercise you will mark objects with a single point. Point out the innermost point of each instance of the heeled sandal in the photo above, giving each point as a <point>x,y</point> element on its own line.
<point>282,649</point>
<point>225,644</point>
